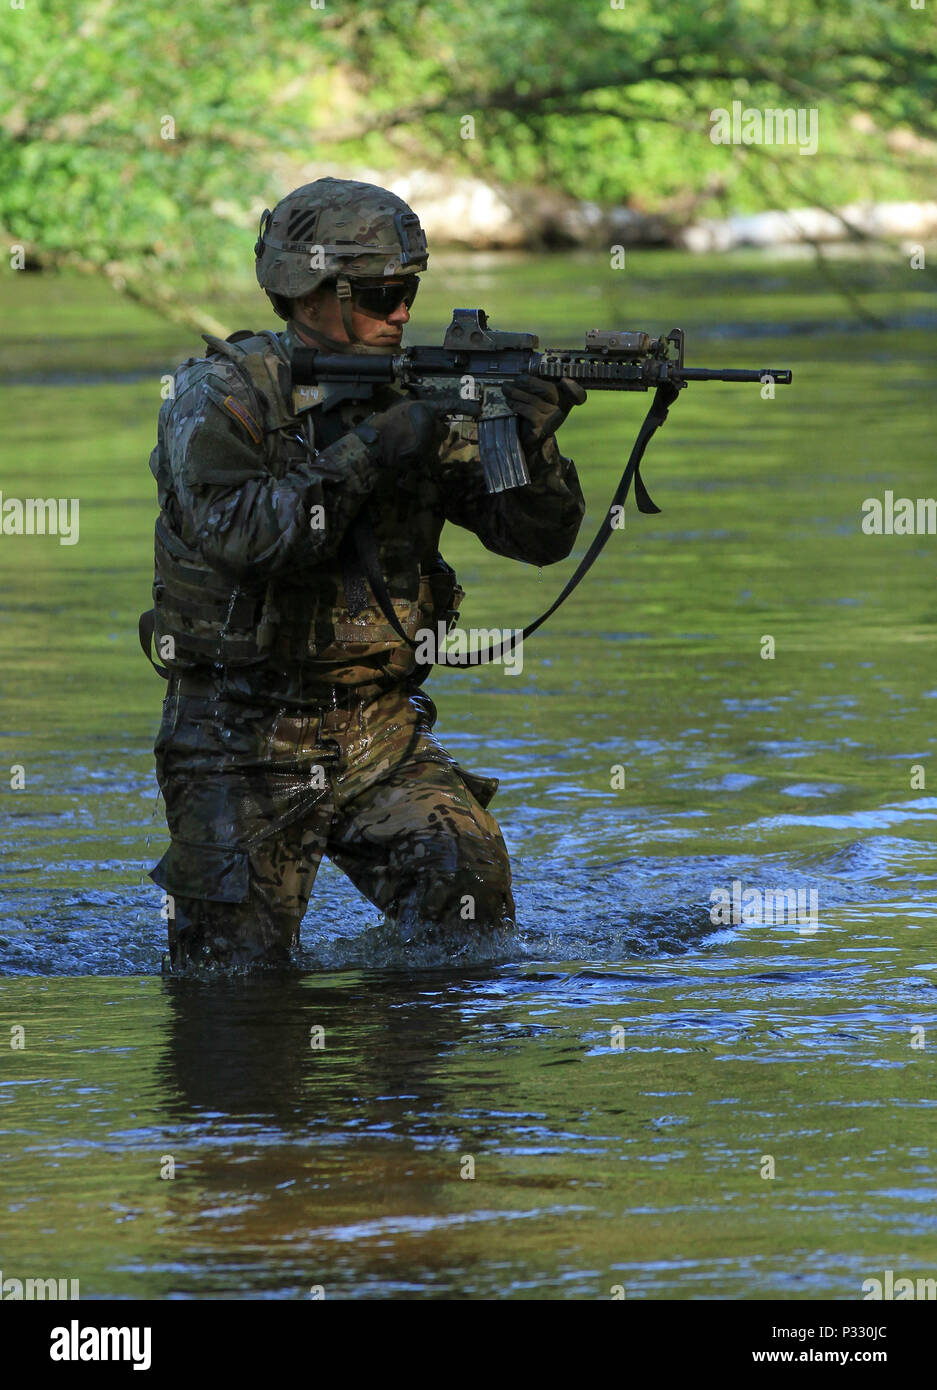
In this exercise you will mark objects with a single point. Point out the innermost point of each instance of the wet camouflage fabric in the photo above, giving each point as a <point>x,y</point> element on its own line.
<point>237,479</point>
<point>336,226</point>
<point>254,799</point>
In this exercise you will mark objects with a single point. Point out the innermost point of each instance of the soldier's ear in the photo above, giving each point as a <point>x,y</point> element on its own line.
<point>309,303</point>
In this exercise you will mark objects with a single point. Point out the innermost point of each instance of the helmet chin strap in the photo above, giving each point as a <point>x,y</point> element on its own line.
<point>343,294</point>
<point>354,344</point>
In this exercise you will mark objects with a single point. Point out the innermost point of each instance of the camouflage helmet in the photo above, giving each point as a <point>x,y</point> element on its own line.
<point>335,229</point>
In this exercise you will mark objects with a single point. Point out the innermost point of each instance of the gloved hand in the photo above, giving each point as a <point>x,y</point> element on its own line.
<point>408,431</point>
<point>541,405</point>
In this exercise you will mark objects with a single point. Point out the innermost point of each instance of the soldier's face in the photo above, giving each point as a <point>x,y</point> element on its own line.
<point>323,313</point>
<point>379,330</point>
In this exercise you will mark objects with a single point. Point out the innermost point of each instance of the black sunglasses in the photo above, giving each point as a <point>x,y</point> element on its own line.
<point>381,300</point>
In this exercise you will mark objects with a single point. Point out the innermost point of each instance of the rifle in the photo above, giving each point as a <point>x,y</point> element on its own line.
<point>465,377</point>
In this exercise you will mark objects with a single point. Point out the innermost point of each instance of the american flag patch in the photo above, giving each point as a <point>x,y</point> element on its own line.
<point>239,413</point>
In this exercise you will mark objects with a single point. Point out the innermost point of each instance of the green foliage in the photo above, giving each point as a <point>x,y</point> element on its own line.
<point>604,103</point>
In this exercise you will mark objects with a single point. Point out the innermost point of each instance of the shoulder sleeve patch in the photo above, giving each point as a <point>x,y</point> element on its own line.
<point>244,417</point>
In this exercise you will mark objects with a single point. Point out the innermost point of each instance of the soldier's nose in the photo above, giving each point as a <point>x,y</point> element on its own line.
<point>400,315</point>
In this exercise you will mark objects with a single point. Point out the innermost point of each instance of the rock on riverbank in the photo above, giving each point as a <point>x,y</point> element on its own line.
<point>460,211</point>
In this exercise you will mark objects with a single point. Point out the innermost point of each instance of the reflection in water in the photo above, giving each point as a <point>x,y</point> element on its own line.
<point>503,1131</point>
<point>307,1053</point>
<point>311,1101</point>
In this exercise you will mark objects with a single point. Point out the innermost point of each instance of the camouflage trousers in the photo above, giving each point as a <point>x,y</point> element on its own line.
<point>255,797</point>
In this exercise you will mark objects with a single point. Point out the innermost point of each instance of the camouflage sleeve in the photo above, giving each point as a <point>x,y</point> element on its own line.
<point>537,524</point>
<point>227,503</point>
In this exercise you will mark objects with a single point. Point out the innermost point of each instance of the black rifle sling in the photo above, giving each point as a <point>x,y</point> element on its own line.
<point>363,533</point>
<point>145,630</point>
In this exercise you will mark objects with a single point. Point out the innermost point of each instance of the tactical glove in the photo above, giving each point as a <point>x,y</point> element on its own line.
<point>407,432</point>
<point>541,405</point>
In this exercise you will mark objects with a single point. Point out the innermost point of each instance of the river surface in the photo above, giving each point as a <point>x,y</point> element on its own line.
<point>639,1095</point>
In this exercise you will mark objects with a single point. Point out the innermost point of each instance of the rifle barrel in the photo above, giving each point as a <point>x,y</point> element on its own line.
<point>781,376</point>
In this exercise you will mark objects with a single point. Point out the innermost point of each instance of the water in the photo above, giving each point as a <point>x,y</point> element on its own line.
<point>625,1078</point>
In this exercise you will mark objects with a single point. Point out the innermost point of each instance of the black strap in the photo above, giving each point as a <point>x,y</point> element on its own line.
<point>145,630</point>
<point>362,536</point>
<point>356,593</point>
<point>363,533</point>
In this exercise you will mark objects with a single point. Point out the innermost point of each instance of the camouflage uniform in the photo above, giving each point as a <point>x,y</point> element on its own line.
<point>294,725</point>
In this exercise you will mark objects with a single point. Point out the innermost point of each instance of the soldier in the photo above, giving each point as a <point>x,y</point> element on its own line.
<point>294,725</point>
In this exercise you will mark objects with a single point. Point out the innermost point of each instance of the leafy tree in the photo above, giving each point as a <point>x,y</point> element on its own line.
<point>141,141</point>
